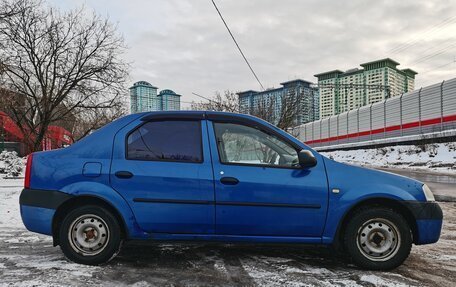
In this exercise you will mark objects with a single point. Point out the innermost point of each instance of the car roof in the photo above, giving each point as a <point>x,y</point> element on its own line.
<point>212,115</point>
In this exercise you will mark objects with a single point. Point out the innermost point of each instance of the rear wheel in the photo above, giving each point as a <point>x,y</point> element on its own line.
<point>90,235</point>
<point>378,238</point>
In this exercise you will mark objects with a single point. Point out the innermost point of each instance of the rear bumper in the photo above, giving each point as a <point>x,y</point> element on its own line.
<point>37,219</point>
<point>38,208</point>
<point>429,218</point>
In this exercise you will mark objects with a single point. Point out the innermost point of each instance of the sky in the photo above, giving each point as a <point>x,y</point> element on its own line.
<point>182,45</point>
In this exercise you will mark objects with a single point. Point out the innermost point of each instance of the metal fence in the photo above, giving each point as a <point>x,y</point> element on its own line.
<point>431,109</point>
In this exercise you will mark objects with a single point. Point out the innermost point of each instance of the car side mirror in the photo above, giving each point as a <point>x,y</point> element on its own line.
<point>306,159</point>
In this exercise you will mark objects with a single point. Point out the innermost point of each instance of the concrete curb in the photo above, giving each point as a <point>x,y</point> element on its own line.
<point>444,198</point>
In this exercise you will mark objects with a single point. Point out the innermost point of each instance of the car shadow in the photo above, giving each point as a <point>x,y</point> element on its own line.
<point>229,265</point>
<point>180,253</point>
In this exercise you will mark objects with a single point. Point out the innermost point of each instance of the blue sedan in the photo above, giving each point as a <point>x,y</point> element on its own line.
<point>218,177</point>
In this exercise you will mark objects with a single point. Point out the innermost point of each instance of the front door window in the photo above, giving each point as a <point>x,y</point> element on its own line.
<point>240,144</point>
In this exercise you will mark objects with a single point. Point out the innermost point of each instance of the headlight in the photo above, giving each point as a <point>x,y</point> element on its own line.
<point>428,193</point>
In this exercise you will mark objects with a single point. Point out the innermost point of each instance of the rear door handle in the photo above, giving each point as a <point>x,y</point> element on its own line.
<point>229,180</point>
<point>124,174</point>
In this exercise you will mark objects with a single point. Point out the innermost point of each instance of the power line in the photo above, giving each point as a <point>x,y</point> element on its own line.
<point>413,41</point>
<point>237,45</point>
<point>435,47</point>
<point>158,101</point>
<point>198,95</point>
<point>355,86</point>
<point>439,67</point>
<point>221,104</point>
<point>434,54</point>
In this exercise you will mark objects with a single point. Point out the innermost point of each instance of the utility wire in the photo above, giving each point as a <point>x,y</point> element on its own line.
<point>158,101</point>
<point>415,40</point>
<point>439,67</point>
<point>237,45</point>
<point>434,54</point>
<point>221,104</point>
<point>210,100</point>
<point>436,47</point>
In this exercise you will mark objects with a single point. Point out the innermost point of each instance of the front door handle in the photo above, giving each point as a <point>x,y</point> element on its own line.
<point>124,174</point>
<point>229,180</point>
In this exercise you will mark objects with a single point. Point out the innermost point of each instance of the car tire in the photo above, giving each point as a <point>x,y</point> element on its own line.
<point>378,238</point>
<point>90,235</point>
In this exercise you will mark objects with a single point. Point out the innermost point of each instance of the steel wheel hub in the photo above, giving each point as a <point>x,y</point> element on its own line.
<point>88,234</point>
<point>378,239</point>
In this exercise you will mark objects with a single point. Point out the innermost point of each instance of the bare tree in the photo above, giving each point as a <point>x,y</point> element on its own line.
<point>60,63</point>
<point>9,8</point>
<point>92,119</point>
<point>228,102</point>
<point>284,117</point>
<point>281,111</point>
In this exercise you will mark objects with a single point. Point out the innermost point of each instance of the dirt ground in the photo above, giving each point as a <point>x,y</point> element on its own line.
<point>28,259</point>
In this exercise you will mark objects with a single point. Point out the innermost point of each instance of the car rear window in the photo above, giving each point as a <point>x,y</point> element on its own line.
<point>166,141</point>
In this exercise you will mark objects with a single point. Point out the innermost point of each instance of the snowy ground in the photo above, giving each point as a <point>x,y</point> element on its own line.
<point>434,157</point>
<point>28,259</point>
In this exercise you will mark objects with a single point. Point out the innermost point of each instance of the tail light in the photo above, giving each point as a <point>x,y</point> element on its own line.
<point>28,171</point>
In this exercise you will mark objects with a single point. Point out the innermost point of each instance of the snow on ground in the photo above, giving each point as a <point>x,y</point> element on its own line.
<point>11,165</point>
<point>436,157</point>
<point>29,259</point>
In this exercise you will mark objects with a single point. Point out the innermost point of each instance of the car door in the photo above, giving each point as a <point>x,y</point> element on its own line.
<point>163,169</point>
<point>260,190</point>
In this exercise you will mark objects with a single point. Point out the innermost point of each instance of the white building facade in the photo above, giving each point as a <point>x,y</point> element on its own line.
<point>376,81</point>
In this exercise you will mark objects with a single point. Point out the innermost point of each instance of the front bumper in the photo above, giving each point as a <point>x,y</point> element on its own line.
<point>429,219</point>
<point>38,208</point>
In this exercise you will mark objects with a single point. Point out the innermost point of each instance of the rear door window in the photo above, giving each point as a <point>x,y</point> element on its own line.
<point>166,141</point>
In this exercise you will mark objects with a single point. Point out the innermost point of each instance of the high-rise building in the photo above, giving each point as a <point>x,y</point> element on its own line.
<point>376,81</point>
<point>144,98</point>
<point>303,93</point>
<point>169,100</point>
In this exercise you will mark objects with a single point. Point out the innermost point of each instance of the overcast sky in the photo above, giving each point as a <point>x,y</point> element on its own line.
<point>182,45</point>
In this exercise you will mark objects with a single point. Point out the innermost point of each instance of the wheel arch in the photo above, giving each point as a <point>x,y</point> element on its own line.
<point>396,205</point>
<point>82,200</point>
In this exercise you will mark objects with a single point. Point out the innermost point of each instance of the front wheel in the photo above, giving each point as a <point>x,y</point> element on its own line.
<point>378,238</point>
<point>90,235</point>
